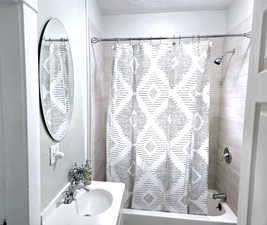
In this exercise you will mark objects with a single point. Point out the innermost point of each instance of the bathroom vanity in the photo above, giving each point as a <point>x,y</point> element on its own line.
<point>101,204</point>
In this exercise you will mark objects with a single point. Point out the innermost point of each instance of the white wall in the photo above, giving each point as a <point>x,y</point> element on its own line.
<point>94,15</point>
<point>73,15</point>
<point>238,12</point>
<point>162,24</point>
<point>75,144</point>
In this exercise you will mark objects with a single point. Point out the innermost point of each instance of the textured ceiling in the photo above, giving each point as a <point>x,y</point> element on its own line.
<point>157,6</point>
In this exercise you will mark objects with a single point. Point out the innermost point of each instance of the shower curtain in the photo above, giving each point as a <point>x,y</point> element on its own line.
<point>157,129</point>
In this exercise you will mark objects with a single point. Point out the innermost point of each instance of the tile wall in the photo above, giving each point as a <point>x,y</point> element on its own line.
<point>233,99</point>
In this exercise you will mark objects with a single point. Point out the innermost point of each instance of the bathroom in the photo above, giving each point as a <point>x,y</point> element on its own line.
<point>133,112</point>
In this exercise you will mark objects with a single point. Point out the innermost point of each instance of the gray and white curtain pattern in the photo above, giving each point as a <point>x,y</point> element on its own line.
<point>157,131</point>
<point>56,84</point>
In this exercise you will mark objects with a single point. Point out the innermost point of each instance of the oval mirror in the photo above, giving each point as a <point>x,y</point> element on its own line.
<point>56,79</point>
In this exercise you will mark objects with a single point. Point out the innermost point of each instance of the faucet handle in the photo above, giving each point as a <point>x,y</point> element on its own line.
<point>67,197</point>
<point>220,196</point>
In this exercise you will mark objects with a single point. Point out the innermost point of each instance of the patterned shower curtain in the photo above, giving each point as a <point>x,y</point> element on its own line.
<point>157,131</point>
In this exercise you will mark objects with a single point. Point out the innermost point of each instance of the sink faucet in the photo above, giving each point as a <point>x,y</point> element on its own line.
<point>221,196</point>
<point>79,178</point>
<point>69,195</point>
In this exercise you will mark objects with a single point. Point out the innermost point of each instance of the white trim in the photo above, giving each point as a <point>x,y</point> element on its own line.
<point>21,113</point>
<point>30,64</point>
<point>90,91</point>
<point>86,103</point>
<point>32,6</point>
<point>3,184</point>
<point>256,93</point>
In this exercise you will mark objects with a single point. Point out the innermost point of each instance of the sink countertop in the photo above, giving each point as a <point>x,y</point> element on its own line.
<point>67,214</point>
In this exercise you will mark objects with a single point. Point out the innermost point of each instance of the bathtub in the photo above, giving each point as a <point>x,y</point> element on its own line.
<point>215,217</point>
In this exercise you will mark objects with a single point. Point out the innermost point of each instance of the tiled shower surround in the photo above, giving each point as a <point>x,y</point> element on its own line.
<point>220,79</point>
<point>233,100</point>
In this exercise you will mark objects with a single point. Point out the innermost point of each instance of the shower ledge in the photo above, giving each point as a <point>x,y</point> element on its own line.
<point>100,206</point>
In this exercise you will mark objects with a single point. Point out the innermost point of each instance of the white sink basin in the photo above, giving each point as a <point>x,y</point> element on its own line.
<point>101,205</point>
<point>94,202</point>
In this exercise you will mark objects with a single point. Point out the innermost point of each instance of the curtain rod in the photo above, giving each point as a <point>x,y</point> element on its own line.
<point>95,40</point>
<point>58,39</point>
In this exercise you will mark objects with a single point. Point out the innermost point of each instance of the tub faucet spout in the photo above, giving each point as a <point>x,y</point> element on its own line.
<point>220,196</point>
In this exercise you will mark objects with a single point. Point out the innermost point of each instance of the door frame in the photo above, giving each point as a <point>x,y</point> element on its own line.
<point>255,95</point>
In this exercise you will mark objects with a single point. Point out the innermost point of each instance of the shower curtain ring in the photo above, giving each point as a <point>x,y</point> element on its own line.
<point>174,41</point>
<point>115,45</point>
<point>198,45</point>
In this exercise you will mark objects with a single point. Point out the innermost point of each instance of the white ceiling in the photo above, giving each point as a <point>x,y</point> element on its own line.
<point>157,6</point>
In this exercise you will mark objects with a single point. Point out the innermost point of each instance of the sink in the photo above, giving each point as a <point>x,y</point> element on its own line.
<point>93,202</point>
<point>101,205</point>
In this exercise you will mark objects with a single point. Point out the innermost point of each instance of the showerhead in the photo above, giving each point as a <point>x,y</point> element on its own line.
<point>218,61</point>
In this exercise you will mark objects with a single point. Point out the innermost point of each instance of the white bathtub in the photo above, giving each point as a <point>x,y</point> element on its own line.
<point>215,217</point>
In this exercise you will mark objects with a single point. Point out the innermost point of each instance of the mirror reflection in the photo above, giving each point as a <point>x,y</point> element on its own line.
<point>56,79</point>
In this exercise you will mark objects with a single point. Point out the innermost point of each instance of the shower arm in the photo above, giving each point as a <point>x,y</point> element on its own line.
<point>95,40</point>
